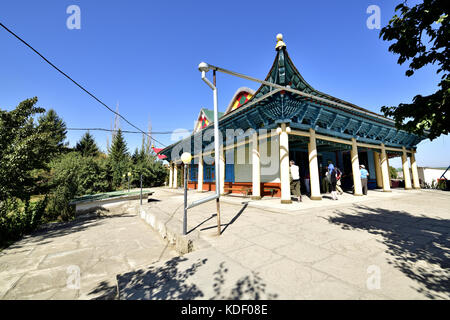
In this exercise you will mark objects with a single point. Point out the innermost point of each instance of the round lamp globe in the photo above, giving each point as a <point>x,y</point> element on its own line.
<point>186,157</point>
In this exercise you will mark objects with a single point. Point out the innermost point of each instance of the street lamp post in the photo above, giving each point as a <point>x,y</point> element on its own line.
<point>186,158</point>
<point>203,68</point>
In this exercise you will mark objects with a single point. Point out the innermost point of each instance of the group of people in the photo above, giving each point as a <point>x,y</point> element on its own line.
<point>331,180</point>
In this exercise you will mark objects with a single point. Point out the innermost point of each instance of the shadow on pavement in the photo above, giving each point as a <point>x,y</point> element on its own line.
<point>104,291</point>
<point>223,225</point>
<point>419,245</point>
<point>175,279</point>
<point>250,287</point>
<point>60,229</point>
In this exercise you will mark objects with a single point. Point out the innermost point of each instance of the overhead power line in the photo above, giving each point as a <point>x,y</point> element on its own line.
<point>124,131</point>
<point>108,130</point>
<point>77,84</point>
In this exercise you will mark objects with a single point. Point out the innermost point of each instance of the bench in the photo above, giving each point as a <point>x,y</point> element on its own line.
<point>272,190</point>
<point>242,189</point>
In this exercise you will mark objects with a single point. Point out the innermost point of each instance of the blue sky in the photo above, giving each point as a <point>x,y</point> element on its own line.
<point>144,55</point>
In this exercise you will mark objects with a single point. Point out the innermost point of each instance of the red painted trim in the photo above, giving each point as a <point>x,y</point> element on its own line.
<point>211,186</point>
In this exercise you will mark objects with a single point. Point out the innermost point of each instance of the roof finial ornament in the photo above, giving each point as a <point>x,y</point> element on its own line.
<point>280,44</point>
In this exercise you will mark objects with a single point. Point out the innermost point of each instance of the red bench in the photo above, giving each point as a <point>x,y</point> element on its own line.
<point>240,189</point>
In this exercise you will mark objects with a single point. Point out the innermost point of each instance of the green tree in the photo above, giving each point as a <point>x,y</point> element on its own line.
<point>152,169</point>
<point>87,146</point>
<point>26,146</point>
<point>51,122</point>
<point>421,35</point>
<point>74,175</point>
<point>119,158</point>
<point>393,173</point>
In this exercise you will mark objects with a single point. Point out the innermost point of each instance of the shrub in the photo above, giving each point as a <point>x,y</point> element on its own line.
<point>74,175</point>
<point>18,218</point>
<point>153,172</point>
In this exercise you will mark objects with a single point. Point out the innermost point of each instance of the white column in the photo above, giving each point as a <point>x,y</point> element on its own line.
<point>406,176</point>
<point>355,169</point>
<point>376,159</point>
<point>313,167</point>
<point>200,173</point>
<point>175,176</point>
<point>385,170</point>
<point>170,175</point>
<point>284,164</point>
<point>222,170</point>
<point>256,169</point>
<point>415,174</point>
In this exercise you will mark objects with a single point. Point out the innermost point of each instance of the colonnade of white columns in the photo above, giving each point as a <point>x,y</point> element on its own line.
<point>380,159</point>
<point>173,175</point>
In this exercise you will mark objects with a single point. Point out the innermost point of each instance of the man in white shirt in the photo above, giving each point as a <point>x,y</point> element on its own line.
<point>295,180</point>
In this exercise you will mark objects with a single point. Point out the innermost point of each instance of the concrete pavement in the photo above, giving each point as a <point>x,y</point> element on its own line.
<point>80,259</point>
<point>383,246</point>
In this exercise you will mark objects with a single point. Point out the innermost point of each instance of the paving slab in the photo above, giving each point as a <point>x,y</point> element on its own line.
<point>92,249</point>
<point>382,246</point>
<point>345,241</point>
<point>204,274</point>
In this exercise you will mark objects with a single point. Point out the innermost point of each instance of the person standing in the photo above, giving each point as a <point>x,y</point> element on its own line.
<point>307,183</point>
<point>364,176</point>
<point>295,180</point>
<point>330,166</point>
<point>333,181</point>
<point>325,181</point>
<point>338,181</point>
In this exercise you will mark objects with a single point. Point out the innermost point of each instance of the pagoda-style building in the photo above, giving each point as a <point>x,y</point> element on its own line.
<point>272,126</point>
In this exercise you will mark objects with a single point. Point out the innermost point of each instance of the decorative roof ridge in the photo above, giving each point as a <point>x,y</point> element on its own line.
<point>237,92</point>
<point>281,49</point>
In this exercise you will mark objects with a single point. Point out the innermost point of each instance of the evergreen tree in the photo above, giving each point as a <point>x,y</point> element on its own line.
<point>119,158</point>
<point>149,166</point>
<point>26,147</point>
<point>87,146</point>
<point>136,156</point>
<point>51,122</point>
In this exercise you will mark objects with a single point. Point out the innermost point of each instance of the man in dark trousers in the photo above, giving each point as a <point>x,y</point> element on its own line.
<point>364,177</point>
<point>295,180</point>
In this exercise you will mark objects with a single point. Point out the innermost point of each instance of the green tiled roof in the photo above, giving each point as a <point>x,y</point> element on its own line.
<point>210,114</point>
